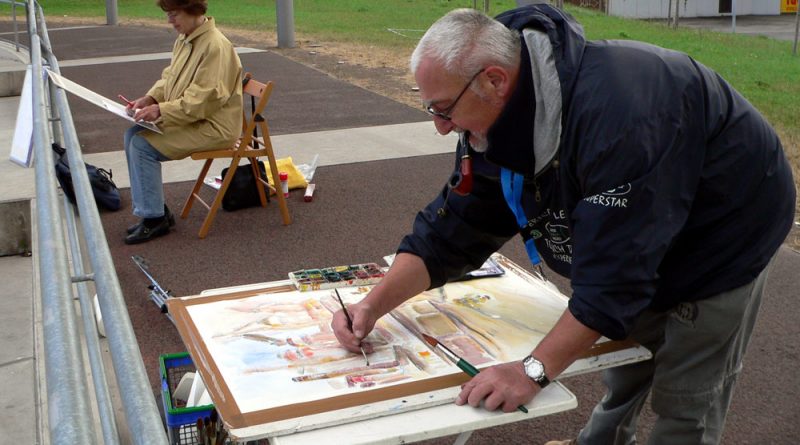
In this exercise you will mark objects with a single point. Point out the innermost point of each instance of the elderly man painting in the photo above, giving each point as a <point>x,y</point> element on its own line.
<point>633,170</point>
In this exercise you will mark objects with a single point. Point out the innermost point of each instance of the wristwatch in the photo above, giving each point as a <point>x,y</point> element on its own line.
<point>534,369</point>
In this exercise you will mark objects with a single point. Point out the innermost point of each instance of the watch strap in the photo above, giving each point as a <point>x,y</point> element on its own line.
<point>542,382</point>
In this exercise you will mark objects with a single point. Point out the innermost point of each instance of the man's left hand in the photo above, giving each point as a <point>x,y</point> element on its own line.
<point>504,386</point>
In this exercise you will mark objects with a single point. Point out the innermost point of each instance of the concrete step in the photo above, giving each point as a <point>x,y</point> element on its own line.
<point>13,61</point>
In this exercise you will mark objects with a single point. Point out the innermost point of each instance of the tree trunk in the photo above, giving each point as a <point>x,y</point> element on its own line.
<point>796,29</point>
<point>677,14</point>
<point>669,13</point>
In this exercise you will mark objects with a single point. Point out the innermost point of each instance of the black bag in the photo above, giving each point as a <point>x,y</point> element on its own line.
<point>242,192</point>
<point>106,193</point>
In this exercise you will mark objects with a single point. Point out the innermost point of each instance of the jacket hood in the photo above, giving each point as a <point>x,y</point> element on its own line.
<point>526,136</point>
<point>564,32</point>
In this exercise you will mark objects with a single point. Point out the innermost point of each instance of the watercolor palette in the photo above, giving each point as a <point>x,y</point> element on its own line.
<point>338,276</point>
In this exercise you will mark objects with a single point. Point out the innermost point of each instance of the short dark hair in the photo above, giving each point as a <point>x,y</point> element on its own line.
<point>191,7</point>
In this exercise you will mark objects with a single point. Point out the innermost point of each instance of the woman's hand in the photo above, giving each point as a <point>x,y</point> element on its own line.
<point>149,113</point>
<point>141,102</point>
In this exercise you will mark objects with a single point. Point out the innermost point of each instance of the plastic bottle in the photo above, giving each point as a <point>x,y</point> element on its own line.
<point>284,183</point>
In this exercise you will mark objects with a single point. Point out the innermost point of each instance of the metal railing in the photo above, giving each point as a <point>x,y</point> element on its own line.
<point>69,405</point>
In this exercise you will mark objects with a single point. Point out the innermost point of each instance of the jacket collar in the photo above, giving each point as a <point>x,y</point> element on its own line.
<point>526,136</point>
<point>511,137</point>
<point>202,29</point>
<point>552,48</point>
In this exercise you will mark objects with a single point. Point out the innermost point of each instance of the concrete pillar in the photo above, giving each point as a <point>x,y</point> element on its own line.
<point>111,12</point>
<point>285,13</point>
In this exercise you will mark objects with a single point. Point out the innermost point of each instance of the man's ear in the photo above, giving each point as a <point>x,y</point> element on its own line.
<point>500,81</point>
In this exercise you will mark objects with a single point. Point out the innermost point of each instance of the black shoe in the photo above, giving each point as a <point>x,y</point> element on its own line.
<point>132,228</point>
<point>142,233</point>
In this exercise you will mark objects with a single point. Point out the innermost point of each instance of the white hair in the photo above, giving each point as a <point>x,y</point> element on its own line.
<point>465,41</point>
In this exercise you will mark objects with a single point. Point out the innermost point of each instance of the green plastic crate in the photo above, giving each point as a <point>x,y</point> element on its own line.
<point>181,421</point>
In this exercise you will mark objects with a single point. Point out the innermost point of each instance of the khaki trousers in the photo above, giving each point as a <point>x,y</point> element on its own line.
<point>697,349</point>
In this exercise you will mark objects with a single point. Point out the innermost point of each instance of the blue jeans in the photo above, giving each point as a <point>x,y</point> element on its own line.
<point>144,169</point>
<point>697,349</point>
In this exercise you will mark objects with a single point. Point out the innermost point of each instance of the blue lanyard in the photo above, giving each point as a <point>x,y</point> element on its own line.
<point>512,191</point>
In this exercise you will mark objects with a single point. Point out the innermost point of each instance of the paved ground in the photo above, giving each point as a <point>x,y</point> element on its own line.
<point>316,114</point>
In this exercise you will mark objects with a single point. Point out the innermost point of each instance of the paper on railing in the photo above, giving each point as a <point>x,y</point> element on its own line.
<point>99,100</point>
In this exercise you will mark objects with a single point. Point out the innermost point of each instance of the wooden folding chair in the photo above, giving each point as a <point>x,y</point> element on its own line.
<point>247,147</point>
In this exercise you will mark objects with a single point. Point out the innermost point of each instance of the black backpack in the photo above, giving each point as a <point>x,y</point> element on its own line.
<point>106,193</point>
<point>242,192</point>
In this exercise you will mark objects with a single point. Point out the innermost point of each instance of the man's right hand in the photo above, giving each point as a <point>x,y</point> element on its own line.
<point>363,322</point>
<point>407,277</point>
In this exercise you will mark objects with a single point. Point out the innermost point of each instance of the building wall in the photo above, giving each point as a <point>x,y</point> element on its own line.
<point>652,9</point>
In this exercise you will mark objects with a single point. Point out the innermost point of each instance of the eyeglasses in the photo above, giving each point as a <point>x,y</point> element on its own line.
<point>173,14</point>
<point>445,114</point>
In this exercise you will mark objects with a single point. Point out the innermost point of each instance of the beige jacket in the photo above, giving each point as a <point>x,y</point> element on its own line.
<point>199,94</point>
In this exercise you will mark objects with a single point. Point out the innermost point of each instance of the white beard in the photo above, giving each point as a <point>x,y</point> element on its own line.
<point>480,145</point>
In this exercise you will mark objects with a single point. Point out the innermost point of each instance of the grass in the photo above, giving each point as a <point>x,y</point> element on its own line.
<point>762,69</point>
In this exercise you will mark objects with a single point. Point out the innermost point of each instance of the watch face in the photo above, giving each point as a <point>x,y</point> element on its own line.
<point>534,368</point>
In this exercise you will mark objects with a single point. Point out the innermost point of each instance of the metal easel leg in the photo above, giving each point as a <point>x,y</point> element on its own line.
<point>462,438</point>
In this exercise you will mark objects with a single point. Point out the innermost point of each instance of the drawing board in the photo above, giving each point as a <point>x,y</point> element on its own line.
<point>99,100</point>
<point>268,355</point>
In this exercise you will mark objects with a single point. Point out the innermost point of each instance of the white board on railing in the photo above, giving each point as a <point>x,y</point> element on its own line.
<point>22,144</point>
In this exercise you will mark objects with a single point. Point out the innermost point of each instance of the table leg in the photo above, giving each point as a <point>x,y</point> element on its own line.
<point>462,438</point>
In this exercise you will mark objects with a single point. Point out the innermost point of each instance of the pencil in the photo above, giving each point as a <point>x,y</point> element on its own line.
<point>124,99</point>
<point>462,364</point>
<point>350,323</point>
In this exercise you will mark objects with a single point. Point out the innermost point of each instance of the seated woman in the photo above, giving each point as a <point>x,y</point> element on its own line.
<point>197,104</point>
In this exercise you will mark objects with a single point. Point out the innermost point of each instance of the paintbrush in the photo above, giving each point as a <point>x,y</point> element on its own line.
<point>223,436</point>
<point>464,365</point>
<point>350,323</point>
<point>214,418</point>
<point>207,424</point>
<point>200,432</point>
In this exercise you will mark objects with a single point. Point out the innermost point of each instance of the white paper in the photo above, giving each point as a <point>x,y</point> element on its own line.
<point>184,387</point>
<point>22,144</point>
<point>96,99</point>
<point>196,391</point>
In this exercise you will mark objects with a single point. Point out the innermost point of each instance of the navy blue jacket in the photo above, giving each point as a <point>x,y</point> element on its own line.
<point>666,186</point>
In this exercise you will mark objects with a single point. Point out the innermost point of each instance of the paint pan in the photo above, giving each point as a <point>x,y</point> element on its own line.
<point>338,276</point>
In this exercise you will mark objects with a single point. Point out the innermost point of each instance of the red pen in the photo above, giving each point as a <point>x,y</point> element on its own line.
<point>130,104</point>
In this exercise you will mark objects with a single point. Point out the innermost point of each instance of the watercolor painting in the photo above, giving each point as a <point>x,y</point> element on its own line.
<point>486,321</point>
<point>277,349</point>
<point>273,349</point>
